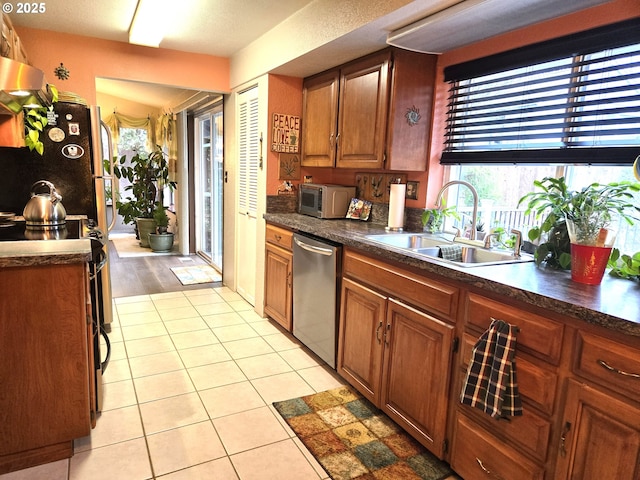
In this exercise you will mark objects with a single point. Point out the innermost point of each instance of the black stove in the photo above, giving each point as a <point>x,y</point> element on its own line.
<point>17,230</point>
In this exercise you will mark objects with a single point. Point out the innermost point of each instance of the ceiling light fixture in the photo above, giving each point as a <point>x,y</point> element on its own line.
<point>150,22</point>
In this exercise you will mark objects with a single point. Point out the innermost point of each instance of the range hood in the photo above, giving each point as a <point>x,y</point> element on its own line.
<point>21,85</point>
<point>470,21</point>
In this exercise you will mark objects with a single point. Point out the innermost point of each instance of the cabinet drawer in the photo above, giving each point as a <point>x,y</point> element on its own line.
<point>530,430</point>
<point>538,335</point>
<point>478,455</point>
<point>425,293</point>
<point>610,363</point>
<point>535,384</point>
<point>279,236</point>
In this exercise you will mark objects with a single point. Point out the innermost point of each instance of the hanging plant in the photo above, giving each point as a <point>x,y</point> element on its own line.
<point>35,119</point>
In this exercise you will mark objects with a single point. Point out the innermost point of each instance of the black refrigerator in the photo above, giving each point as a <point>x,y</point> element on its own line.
<point>73,162</point>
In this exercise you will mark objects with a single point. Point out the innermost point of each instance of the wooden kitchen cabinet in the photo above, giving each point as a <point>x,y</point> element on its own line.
<point>278,286</point>
<point>397,355</point>
<point>320,114</point>
<point>372,113</point>
<point>600,438</point>
<point>45,363</point>
<point>600,432</point>
<point>515,447</point>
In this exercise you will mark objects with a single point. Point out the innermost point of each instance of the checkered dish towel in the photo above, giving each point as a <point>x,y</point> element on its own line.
<point>491,383</point>
<point>451,252</point>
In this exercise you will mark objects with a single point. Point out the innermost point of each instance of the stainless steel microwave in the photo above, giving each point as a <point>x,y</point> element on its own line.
<point>325,201</point>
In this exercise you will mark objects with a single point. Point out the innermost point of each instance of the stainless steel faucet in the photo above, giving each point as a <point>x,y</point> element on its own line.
<point>487,239</point>
<point>474,215</point>
<point>517,246</point>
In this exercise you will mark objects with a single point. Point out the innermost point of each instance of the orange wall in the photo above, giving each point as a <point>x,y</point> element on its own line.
<point>285,97</point>
<point>88,58</point>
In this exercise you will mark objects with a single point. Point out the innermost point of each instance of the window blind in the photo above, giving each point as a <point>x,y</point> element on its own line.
<point>576,103</point>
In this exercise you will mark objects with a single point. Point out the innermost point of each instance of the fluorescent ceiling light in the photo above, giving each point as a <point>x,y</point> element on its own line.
<point>150,22</point>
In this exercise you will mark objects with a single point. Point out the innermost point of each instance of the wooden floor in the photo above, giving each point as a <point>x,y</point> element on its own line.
<point>132,276</point>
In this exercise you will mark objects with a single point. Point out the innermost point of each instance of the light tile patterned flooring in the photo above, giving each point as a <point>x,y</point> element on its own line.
<point>189,392</point>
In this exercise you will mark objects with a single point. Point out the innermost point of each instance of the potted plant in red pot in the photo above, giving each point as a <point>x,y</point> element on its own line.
<point>582,216</point>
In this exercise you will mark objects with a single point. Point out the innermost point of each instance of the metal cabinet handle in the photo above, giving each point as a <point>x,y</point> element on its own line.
<point>563,439</point>
<point>386,340</point>
<point>378,333</point>
<point>487,471</point>
<point>604,364</point>
<point>277,237</point>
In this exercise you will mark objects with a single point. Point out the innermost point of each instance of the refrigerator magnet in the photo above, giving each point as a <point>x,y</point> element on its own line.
<point>56,134</point>
<point>72,151</point>
<point>74,128</point>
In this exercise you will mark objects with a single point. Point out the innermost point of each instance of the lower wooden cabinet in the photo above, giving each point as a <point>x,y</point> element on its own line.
<point>45,363</point>
<point>278,284</point>
<point>480,456</point>
<point>415,374</point>
<point>361,337</point>
<point>397,356</point>
<point>600,437</point>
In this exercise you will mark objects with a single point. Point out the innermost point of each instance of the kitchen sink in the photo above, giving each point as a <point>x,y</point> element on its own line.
<point>408,240</point>
<point>429,246</point>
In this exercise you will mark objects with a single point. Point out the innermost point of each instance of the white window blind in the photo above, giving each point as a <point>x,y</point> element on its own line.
<point>581,107</point>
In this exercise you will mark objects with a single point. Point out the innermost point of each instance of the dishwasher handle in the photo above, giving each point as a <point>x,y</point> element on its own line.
<point>313,249</point>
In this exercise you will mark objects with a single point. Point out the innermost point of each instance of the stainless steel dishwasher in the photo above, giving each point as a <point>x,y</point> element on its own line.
<point>316,293</point>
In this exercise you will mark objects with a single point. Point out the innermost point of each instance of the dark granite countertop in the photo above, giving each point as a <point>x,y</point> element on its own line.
<point>26,253</point>
<point>614,304</point>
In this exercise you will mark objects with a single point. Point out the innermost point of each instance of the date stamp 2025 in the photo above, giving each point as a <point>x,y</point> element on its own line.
<point>24,7</point>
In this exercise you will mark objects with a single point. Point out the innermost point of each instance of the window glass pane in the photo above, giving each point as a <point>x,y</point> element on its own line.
<point>500,187</point>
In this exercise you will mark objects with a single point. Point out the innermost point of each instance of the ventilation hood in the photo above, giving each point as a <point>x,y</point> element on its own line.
<point>21,85</point>
<point>469,21</point>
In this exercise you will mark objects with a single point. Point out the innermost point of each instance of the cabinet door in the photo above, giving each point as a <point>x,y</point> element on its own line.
<point>360,341</point>
<point>416,374</point>
<point>320,114</point>
<point>600,437</point>
<point>43,357</point>
<point>410,107</point>
<point>277,285</point>
<point>362,117</point>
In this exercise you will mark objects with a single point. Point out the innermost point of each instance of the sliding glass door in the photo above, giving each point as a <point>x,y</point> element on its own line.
<point>209,185</point>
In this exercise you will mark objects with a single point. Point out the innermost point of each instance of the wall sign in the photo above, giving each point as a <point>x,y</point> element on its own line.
<point>285,133</point>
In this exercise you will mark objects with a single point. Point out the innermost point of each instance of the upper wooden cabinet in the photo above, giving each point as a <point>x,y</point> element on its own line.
<point>374,112</point>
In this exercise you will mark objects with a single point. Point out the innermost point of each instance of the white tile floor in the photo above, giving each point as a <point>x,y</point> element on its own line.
<point>189,392</point>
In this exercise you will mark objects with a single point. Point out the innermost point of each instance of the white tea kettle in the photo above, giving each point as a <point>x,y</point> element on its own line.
<point>44,209</point>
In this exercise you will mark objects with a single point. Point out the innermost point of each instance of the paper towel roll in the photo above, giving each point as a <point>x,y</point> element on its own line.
<point>396,206</point>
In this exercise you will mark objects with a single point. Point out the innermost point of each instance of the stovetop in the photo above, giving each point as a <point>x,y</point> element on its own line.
<point>76,228</point>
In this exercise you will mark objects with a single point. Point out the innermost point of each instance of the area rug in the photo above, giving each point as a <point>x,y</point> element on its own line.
<point>352,439</point>
<point>196,274</point>
<point>127,246</point>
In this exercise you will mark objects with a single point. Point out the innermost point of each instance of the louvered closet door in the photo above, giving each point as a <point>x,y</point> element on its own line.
<point>248,160</point>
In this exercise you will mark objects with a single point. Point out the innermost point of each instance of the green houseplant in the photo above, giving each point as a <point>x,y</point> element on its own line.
<point>433,218</point>
<point>161,240</point>
<point>35,119</point>
<point>590,208</point>
<point>148,174</point>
